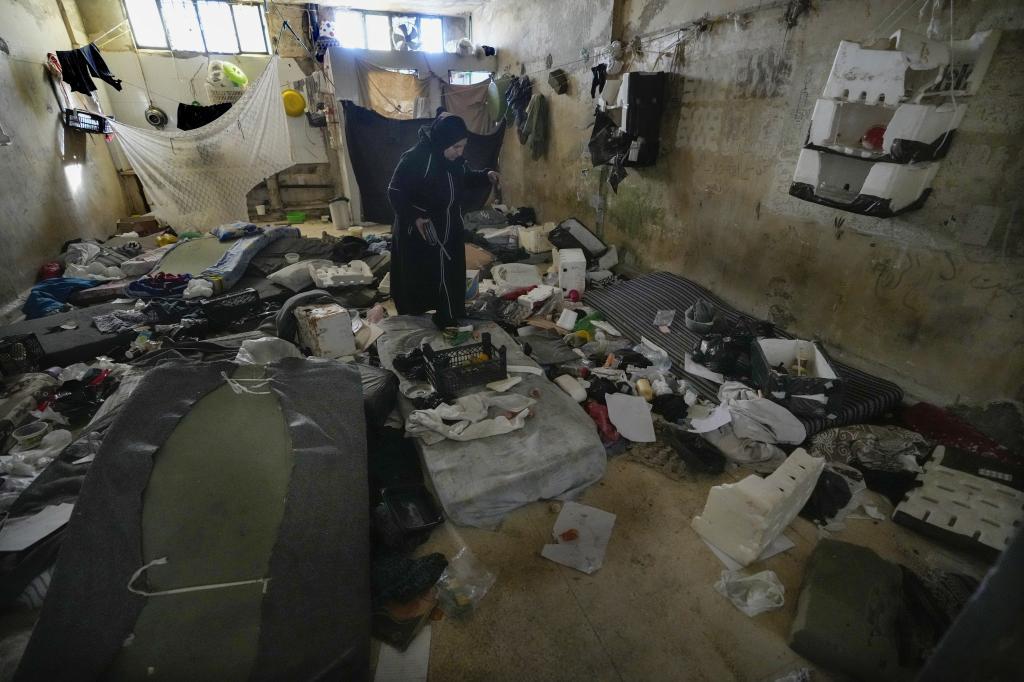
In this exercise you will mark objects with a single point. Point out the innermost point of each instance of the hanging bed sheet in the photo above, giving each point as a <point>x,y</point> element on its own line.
<point>632,305</point>
<point>222,532</point>
<point>375,144</point>
<point>198,179</point>
<point>555,455</point>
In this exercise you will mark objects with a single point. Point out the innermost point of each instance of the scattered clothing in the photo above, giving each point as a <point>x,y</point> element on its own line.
<point>235,230</point>
<point>881,448</point>
<point>50,296</point>
<point>946,428</point>
<point>119,321</point>
<point>470,415</point>
<point>402,579</point>
<point>160,284</point>
<point>192,116</point>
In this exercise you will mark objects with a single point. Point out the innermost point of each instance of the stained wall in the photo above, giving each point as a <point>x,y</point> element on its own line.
<point>44,200</point>
<point>933,299</point>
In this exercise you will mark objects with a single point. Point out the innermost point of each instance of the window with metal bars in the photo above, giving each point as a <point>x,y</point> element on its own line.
<point>211,26</point>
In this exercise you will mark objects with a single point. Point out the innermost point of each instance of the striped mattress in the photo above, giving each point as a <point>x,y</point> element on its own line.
<point>631,306</point>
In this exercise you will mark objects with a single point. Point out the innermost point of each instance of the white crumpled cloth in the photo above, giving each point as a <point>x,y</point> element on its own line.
<point>470,415</point>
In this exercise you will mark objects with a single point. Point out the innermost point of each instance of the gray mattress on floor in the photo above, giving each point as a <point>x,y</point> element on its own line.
<point>631,307</point>
<point>557,454</point>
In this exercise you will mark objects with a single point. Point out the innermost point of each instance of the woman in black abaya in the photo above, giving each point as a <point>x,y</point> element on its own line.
<point>428,260</point>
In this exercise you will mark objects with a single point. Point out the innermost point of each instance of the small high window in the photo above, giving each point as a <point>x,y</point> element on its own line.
<point>213,26</point>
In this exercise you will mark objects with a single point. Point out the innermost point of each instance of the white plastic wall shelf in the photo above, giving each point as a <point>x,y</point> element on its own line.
<point>909,67</point>
<point>913,132</point>
<point>887,115</point>
<point>877,189</point>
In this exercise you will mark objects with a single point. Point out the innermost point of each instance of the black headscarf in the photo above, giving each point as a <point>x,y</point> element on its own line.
<point>446,130</point>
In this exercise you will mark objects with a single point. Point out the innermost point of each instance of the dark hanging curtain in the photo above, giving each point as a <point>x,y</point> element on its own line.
<point>376,142</point>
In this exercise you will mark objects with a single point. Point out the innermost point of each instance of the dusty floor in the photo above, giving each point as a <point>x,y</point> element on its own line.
<point>651,612</point>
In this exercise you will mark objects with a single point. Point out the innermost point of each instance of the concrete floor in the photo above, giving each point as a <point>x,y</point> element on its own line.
<point>651,612</point>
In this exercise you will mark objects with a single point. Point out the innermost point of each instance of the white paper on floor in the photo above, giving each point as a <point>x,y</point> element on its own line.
<point>699,370</point>
<point>20,533</point>
<point>631,416</point>
<point>778,546</point>
<point>593,529</point>
<point>718,418</point>
<point>410,665</point>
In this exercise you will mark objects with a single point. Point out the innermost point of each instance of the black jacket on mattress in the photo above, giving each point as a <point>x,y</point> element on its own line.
<point>430,274</point>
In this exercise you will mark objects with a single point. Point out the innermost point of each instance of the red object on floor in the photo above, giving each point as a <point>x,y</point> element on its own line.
<point>599,413</point>
<point>516,293</point>
<point>51,269</point>
<point>942,426</point>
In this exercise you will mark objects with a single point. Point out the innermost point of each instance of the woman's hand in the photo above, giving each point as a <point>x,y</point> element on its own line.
<point>421,225</point>
<point>493,177</point>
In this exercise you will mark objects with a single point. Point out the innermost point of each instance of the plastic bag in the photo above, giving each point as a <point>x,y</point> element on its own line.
<point>663,318</point>
<point>463,584</point>
<point>752,594</point>
<point>658,356</point>
<point>264,350</point>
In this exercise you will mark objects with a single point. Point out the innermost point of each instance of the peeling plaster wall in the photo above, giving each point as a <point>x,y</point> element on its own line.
<point>933,299</point>
<point>41,204</point>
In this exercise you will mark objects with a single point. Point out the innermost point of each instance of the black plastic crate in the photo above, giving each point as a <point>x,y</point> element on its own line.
<point>19,354</point>
<point>225,310</point>
<point>453,370</point>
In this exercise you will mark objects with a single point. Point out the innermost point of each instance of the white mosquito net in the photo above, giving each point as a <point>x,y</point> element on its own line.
<point>198,179</point>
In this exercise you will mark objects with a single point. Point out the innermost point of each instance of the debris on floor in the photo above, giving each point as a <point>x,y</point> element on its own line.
<point>581,536</point>
<point>559,364</point>
<point>752,594</point>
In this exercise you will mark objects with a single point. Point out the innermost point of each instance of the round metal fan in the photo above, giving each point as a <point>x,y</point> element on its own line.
<point>406,37</point>
<point>156,117</point>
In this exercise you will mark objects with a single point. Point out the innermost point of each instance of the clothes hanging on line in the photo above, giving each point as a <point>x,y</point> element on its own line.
<point>79,67</point>
<point>192,116</point>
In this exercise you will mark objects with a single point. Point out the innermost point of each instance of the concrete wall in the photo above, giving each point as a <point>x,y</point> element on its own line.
<point>43,201</point>
<point>934,299</point>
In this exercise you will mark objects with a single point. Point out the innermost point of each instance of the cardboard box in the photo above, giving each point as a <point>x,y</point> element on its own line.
<point>325,330</point>
<point>818,392</point>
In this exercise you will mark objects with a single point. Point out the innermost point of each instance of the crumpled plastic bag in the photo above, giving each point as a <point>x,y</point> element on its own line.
<point>265,350</point>
<point>658,356</point>
<point>463,584</point>
<point>753,594</point>
<point>198,288</point>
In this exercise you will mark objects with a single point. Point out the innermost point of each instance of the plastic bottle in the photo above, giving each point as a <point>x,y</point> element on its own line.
<point>644,390</point>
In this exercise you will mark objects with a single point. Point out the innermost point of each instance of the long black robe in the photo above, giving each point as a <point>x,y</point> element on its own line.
<point>430,276</point>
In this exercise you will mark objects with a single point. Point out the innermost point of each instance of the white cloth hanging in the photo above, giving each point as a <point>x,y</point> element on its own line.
<point>198,179</point>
